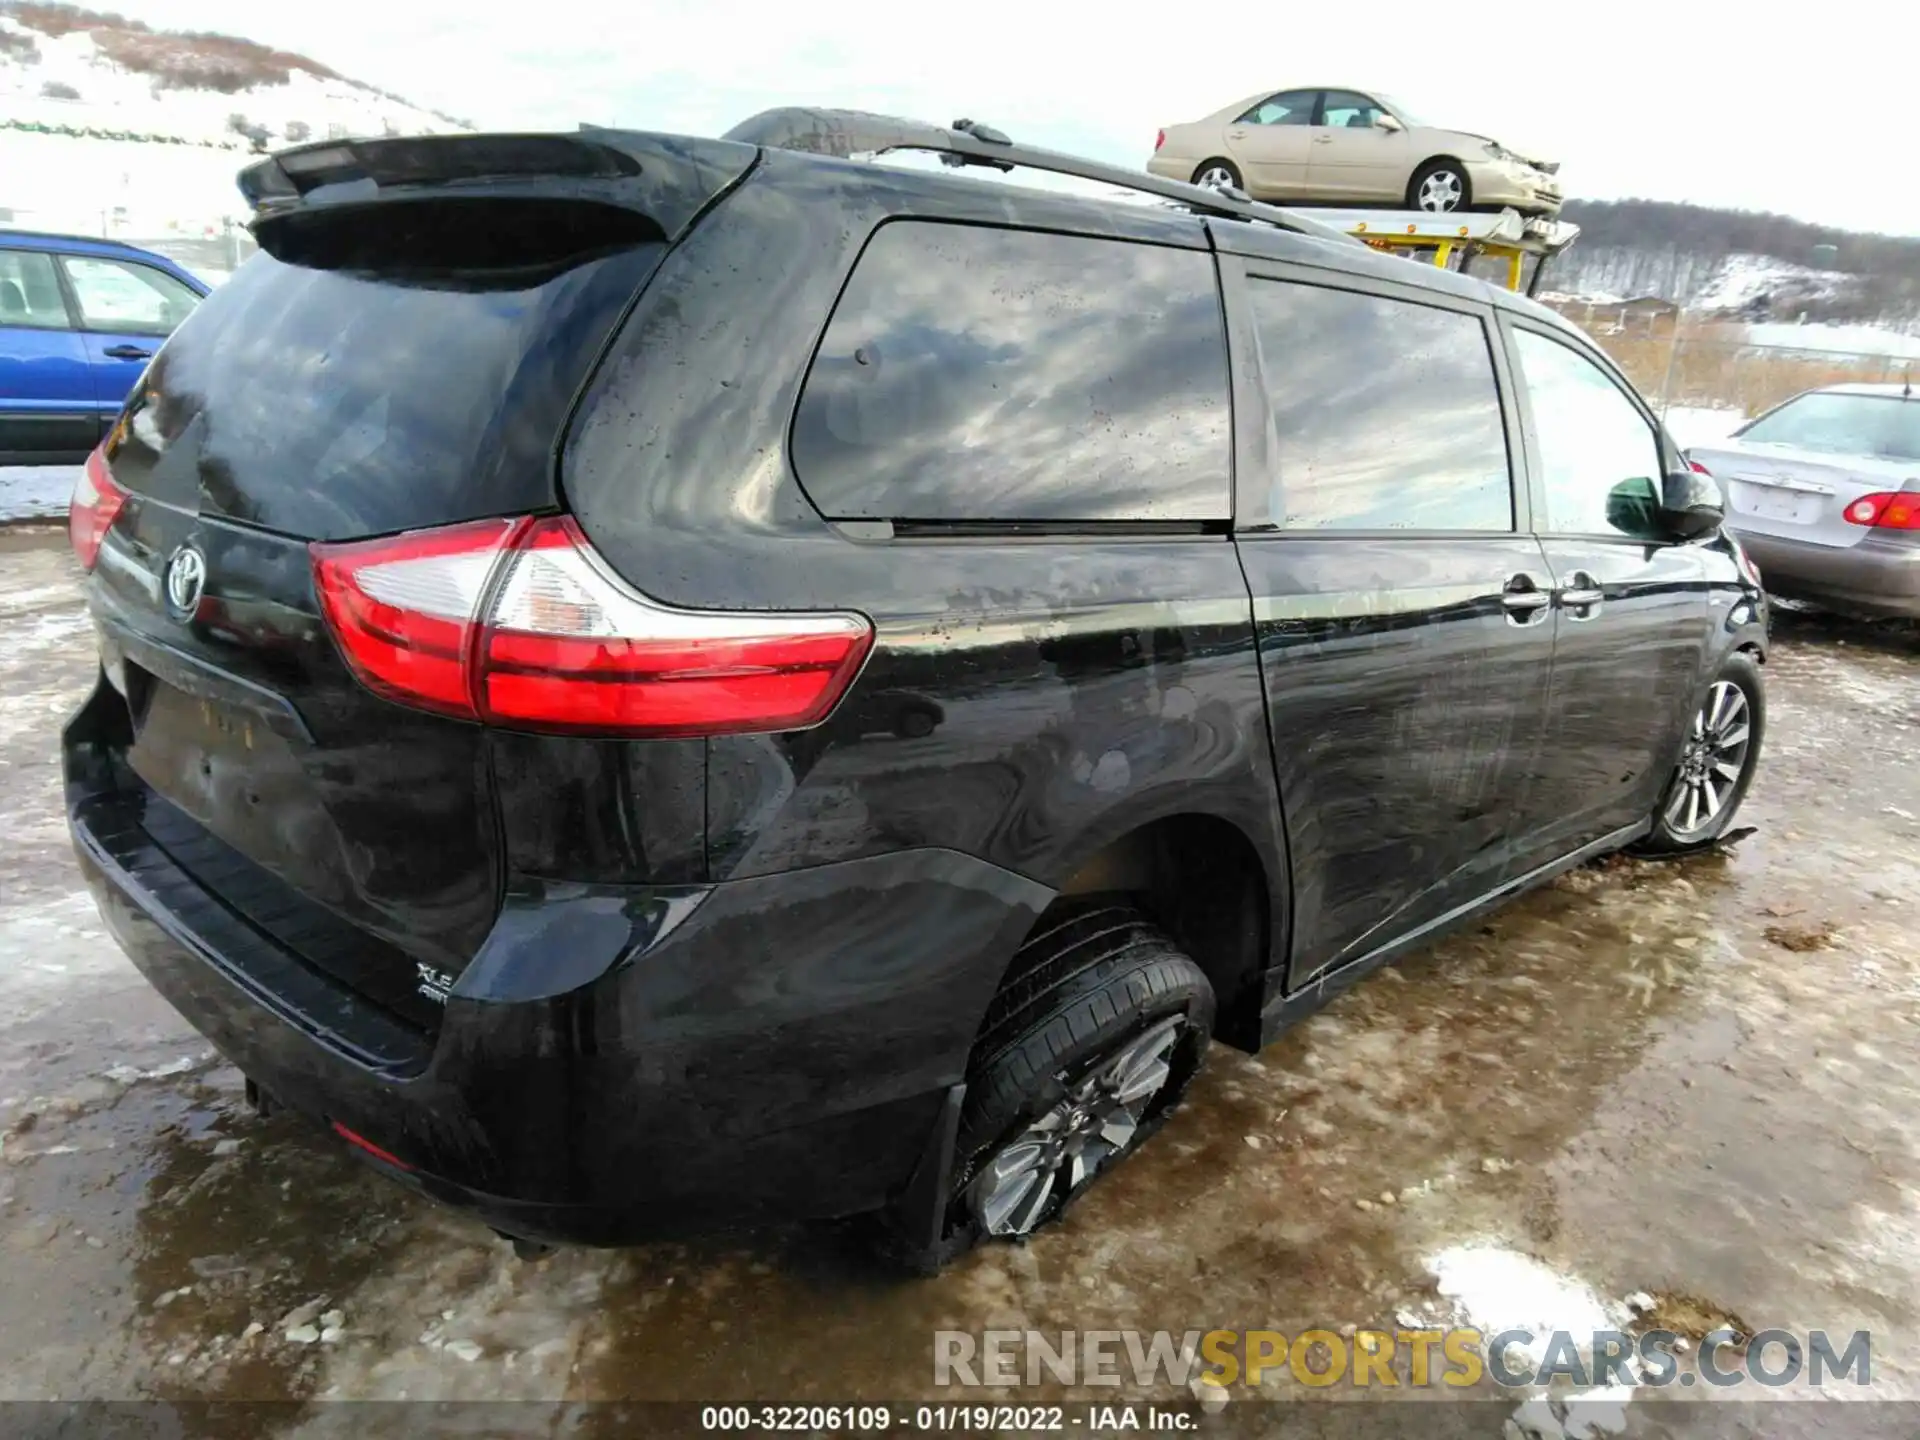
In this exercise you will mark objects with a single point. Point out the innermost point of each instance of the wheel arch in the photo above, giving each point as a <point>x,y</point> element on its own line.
<point>1217,158</point>
<point>1202,878</point>
<point>1443,158</point>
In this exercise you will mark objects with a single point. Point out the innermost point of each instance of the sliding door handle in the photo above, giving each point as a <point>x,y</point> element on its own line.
<point>1524,600</point>
<point>1582,596</point>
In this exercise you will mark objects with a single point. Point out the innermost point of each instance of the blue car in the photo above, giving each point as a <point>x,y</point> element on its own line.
<point>79,319</point>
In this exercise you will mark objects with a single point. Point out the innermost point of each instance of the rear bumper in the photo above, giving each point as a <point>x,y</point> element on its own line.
<point>1875,577</point>
<point>612,1066</point>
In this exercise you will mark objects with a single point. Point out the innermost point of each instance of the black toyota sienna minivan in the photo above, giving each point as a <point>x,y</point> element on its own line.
<point>650,681</point>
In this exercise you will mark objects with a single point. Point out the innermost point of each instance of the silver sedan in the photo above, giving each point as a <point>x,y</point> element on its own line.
<point>1823,493</point>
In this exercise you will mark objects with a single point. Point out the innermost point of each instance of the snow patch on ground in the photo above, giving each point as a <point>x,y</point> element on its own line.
<point>1868,339</point>
<point>36,492</point>
<point>1584,297</point>
<point>1499,1289</point>
<point>53,945</point>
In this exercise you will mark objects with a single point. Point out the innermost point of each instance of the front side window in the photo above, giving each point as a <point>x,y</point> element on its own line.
<point>1293,107</point>
<point>30,292</point>
<point>128,298</point>
<point>971,373</point>
<point>1349,110</point>
<point>1599,457</point>
<point>1388,412</point>
<point>1886,427</point>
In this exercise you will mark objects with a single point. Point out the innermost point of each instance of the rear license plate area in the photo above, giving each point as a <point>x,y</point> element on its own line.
<point>214,760</point>
<point>1771,502</point>
<point>234,806</point>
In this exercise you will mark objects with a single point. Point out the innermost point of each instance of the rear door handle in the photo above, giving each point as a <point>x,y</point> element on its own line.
<point>126,352</point>
<point>1582,596</point>
<point>1236,134</point>
<point>1323,139</point>
<point>1524,600</point>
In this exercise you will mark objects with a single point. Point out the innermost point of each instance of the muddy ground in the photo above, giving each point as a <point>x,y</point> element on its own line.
<point>1622,1084</point>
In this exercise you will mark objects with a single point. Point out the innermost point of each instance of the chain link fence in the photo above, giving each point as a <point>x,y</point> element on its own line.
<point>1682,364</point>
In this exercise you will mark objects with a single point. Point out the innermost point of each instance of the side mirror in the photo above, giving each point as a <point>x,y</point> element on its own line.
<point>1388,123</point>
<point>1691,504</point>
<point>1633,508</point>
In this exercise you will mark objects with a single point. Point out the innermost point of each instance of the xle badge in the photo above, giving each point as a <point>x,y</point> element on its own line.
<point>434,984</point>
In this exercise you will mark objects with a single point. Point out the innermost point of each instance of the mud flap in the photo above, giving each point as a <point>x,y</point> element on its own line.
<point>916,1221</point>
<point>258,1100</point>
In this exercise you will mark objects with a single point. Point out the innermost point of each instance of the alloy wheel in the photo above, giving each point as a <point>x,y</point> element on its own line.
<point>1097,1119</point>
<point>1712,762</point>
<point>1216,177</point>
<point>1440,192</point>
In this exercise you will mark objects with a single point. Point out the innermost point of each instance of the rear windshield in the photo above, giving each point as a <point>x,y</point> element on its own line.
<point>1885,427</point>
<point>411,368</point>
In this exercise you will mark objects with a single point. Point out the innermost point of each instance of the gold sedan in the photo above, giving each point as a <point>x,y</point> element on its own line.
<point>1351,147</point>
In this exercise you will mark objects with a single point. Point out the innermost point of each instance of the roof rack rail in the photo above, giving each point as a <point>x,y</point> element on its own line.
<point>850,133</point>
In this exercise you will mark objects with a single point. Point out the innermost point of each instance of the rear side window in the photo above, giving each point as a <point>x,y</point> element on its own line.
<point>30,292</point>
<point>979,374</point>
<point>1388,412</point>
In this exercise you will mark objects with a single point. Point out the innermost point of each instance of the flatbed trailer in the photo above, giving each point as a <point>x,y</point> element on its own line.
<point>1454,241</point>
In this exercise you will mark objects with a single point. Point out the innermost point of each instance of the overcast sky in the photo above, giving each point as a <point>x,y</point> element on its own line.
<point>1804,109</point>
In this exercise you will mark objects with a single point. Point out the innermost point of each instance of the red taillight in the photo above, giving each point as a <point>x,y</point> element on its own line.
<point>564,644</point>
<point>1697,467</point>
<point>95,505</point>
<point>1159,139</point>
<point>1886,510</point>
<point>405,609</point>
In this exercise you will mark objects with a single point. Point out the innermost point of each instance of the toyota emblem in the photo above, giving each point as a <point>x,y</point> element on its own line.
<point>186,578</point>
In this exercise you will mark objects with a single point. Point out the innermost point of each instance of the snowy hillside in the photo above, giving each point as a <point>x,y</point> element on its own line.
<point>1735,265</point>
<point>1741,280</point>
<point>109,127</point>
<point>66,68</point>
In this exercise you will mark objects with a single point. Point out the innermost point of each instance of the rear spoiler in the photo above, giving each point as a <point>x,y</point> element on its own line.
<point>671,178</point>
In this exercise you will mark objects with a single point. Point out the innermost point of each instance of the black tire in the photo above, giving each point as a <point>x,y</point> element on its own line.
<point>1438,167</point>
<point>1669,835</point>
<point>1220,163</point>
<point>1087,988</point>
